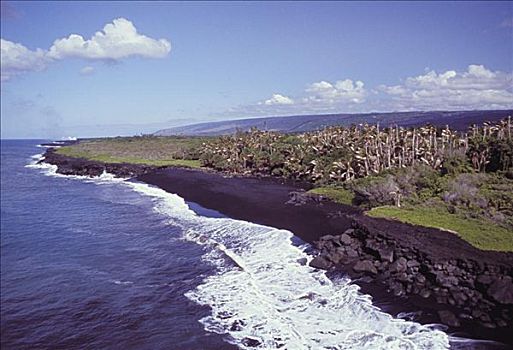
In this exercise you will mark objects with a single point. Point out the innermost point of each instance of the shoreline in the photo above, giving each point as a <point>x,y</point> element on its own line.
<point>283,204</point>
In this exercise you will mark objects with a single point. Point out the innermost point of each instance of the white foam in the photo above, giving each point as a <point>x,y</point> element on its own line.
<point>51,170</point>
<point>106,177</point>
<point>48,146</point>
<point>263,293</point>
<point>46,168</point>
<point>122,283</point>
<point>34,159</point>
<point>37,157</point>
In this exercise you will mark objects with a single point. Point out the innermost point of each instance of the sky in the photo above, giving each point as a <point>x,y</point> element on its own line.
<point>116,68</point>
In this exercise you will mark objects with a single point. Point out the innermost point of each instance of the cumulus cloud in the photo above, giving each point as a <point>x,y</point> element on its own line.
<point>117,41</point>
<point>323,96</point>
<point>319,97</point>
<point>345,91</point>
<point>87,70</point>
<point>478,87</point>
<point>278,99</point>
<point>16,59</point>
<point>475,88</point>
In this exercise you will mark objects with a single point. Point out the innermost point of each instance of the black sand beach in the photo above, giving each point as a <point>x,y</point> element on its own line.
<point>277,203</point>
<point>264,201</point>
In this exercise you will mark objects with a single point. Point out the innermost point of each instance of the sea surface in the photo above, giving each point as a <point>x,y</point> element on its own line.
<point>106,263</point>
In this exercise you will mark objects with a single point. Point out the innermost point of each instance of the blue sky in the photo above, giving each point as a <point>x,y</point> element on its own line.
<point>163,64</point>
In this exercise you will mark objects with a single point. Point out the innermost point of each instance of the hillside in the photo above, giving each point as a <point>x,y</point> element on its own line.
<point>458,120</point>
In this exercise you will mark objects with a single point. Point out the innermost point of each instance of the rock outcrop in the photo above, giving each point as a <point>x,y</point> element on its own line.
<point>83,167</point>
<point>466,289</point>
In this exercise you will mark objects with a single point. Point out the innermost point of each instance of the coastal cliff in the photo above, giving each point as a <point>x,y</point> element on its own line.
<point>435,271</point>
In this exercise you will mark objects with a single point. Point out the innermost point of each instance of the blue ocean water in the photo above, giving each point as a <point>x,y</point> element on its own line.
<point>91,266</point>
<point>106,264</point>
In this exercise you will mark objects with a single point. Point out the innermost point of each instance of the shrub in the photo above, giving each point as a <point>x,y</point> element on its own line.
<point>455,162</point>
<point>381,191</point>
<point>501,155</point>
<point>464,191</point>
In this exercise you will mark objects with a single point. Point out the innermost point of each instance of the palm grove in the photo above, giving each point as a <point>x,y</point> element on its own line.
<point>467,172</point>
<point>461,181</point>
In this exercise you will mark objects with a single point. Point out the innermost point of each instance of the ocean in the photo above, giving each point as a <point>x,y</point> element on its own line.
<point>109,263</point>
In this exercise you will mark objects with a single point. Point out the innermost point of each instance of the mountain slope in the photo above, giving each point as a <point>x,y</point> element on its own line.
<point>459,120</point>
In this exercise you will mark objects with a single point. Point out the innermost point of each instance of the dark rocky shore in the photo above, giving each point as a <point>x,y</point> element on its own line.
<point>405,268</point>
<point>83,167</point>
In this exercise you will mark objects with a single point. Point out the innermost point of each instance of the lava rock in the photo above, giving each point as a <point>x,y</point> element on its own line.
<point>445,280</point>
<point>237,325</point>
<point>365,266</point>
<point>399,265</point>
<point>501,290</point>
<point>413,263</point>
<point>251,342</point>
<point>346,239</point>
<point>425,293</point>
<point>484,281</point>
<point>420,278</point>
<point>298,198</point>
<point>448,318</point>
<point>337,256</point>
<point>351,253</point>
<point>397,289</point>
<point>320,262</point>
<point>302,261</point>
<point>386,254</point>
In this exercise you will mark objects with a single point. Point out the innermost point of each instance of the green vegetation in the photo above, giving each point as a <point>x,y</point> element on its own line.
<point>464,177</point>
<point>336,194</point>
<point>480,233</point>
<point>434,176</point>
<point>157,151</point>
<point>337,155</point>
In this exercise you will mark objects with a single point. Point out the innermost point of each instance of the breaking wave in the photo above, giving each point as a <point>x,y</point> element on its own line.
<point>37,162</point>
<point>265,295</point>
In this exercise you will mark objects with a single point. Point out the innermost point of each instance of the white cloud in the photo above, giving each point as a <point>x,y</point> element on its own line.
<point>278,99</point>
<point>476,88</point>
<point>118,40</point>
<point>87,70</point>
<point>324,96</point>
<point>319,97</point>
<point>16,59</point>
<point>342,91</point>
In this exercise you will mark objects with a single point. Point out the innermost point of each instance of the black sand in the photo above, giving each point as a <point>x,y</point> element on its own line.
<point>267,201</point>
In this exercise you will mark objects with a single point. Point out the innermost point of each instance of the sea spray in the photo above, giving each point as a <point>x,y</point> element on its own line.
<point>37,162</point>
<point>264,295</point>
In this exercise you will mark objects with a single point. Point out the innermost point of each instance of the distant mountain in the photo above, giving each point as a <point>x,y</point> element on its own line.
<point>458,120</point>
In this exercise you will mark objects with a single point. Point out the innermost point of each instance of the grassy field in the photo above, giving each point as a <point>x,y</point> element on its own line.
<point>481,234</point>
<point>336,194</point>
<point>158,151</point>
